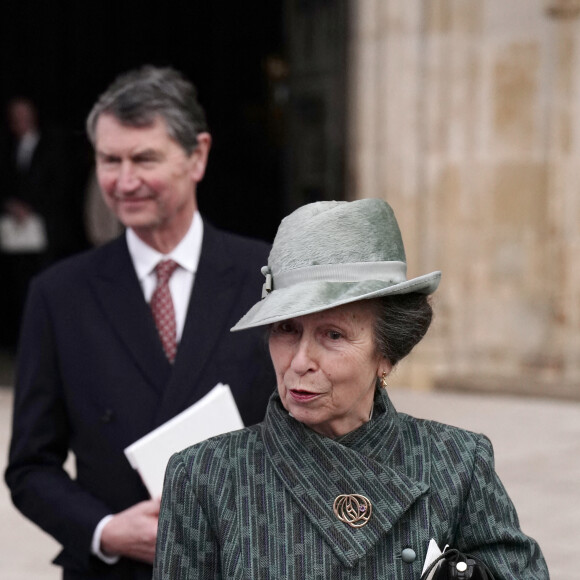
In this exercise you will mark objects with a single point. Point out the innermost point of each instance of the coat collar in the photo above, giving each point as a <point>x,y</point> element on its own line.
<point>374,461</point>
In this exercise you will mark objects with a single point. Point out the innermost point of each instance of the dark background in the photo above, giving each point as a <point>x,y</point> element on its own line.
<point>64,53</point>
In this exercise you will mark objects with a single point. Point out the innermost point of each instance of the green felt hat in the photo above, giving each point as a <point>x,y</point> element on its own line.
<point>330,253</point>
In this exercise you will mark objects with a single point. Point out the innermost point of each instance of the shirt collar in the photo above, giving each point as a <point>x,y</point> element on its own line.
<point>186,253</point>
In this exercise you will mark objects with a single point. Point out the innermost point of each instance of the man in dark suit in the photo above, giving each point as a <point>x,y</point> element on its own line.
<point>94,373</point>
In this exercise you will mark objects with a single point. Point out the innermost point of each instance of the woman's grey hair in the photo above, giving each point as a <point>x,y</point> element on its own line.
<point>137,97</point>
<point>402,320</point>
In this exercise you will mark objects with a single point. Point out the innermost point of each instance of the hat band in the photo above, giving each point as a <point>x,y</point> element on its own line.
<point>394,272</point>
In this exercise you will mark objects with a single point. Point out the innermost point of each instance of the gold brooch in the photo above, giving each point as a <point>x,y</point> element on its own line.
<point>353,509</point>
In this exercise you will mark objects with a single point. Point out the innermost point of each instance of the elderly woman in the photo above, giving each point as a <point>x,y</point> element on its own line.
<point>335,483</point>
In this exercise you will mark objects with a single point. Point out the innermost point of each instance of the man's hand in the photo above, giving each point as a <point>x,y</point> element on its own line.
<point>133,532</point>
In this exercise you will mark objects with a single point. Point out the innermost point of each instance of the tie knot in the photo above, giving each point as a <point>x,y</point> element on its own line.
<point>163,271</point>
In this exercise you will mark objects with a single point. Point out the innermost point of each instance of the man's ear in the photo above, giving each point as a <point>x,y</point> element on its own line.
<point>200,156</point>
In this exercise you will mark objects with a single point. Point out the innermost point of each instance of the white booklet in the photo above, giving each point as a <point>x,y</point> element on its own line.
<point>214,414</point>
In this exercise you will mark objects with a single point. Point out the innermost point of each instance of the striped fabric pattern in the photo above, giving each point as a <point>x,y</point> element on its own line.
<point>257,503</point>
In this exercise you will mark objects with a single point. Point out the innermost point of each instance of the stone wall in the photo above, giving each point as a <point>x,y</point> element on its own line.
<point>465,116</point>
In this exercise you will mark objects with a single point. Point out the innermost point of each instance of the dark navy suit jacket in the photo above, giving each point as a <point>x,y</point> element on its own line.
<point>92,378</point>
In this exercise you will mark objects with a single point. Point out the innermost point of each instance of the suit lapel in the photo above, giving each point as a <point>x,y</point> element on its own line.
<point>315,470</point>
<point>121,299</point>
<point>208,316</point>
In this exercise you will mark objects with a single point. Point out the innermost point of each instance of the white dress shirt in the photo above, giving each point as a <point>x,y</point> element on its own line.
<point>144,259</point>
<point>186,254</point>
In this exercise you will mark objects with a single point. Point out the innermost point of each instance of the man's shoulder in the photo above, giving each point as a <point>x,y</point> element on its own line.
<point>237,244</point>
<point>78,266</point>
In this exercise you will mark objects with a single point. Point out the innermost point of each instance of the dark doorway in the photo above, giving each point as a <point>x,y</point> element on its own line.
<point>271,75</point>
<point>316,115</point>
<point>63,53</point>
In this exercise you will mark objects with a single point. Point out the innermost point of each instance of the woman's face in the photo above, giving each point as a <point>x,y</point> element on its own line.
<point>326,367</point>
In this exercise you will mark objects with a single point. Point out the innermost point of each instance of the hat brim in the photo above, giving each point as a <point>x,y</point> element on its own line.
<point>311,297</point>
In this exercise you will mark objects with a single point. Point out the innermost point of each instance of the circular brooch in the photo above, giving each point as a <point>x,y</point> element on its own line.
<point>353,509</point>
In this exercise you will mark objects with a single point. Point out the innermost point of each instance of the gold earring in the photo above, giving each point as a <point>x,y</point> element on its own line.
<point>384,380</point>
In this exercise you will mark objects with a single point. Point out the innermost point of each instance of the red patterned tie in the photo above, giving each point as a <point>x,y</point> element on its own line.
<point>162,308</point>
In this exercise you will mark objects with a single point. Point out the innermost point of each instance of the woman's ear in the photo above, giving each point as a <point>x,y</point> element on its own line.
<point>385,367</point>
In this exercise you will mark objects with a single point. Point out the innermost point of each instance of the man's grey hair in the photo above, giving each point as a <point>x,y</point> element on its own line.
<point>138,97</point>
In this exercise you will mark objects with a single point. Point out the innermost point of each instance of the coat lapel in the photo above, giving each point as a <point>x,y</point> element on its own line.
<point>122,302</point>
<point>315,470</point>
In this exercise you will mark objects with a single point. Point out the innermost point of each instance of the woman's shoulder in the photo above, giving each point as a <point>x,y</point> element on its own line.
<point>452,456</point>
<point>226,448</point>
<point>211,469</point>
<point>456,441</point>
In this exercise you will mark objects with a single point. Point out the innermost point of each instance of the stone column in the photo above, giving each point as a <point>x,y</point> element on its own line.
<point>463,116</point>
<point>563,162</point>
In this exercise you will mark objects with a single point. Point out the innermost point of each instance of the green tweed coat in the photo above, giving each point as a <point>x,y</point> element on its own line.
<point>258,503</point>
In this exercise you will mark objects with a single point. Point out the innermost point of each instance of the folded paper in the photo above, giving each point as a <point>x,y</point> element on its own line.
<point>214,414</point>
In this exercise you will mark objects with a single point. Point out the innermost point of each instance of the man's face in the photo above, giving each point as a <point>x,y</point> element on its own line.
<point>146,177</point>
